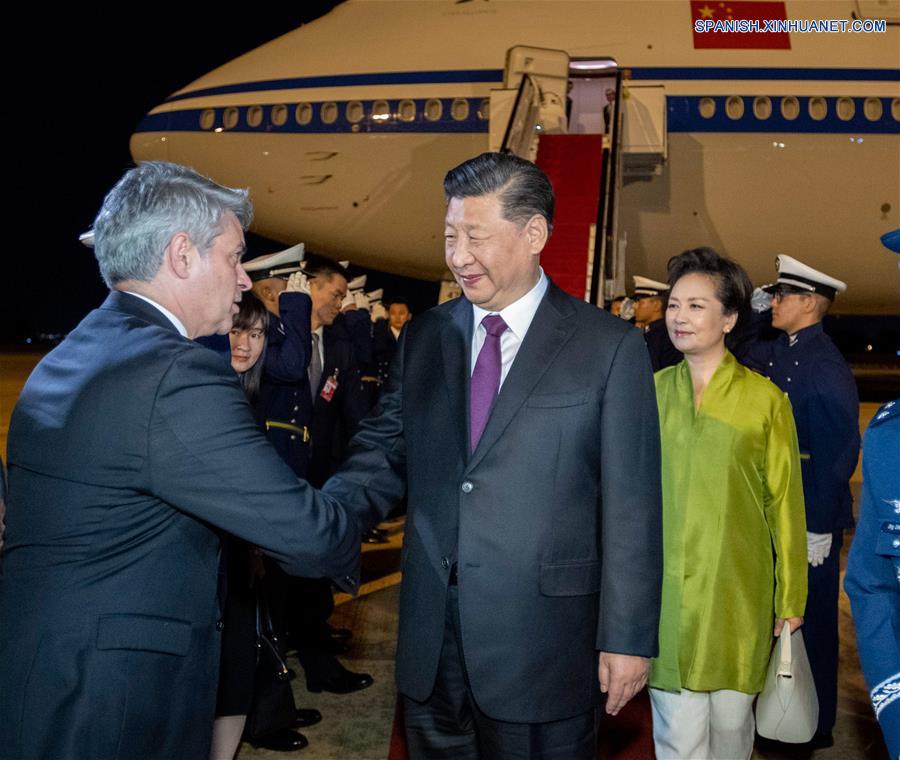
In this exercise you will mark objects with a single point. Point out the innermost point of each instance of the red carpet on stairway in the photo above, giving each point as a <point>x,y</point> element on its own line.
<point>574,165</point>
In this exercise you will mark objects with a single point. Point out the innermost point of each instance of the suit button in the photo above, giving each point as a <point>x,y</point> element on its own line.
<point>896,542</point>
<point>296,408</point>
<point>467,487</point>
<point>220,624</point>
<point>349,581</point>
<point>445,563</point>
<point>789,379</point>
<point>293,438</point>
<point>293,421</point>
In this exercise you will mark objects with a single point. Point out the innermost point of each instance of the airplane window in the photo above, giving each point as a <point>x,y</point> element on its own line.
<point>407,110</point>
<point>304,113</point>
<point>790,108</point>
<point>734,107</point>
<point>895,109</point>
<point>484,109</point>
<point>329,113</point>
<point>230,119</point>
<point>459,109</point>
<point>279,115</point>
<point>872,109</point>
<point>762,107</point>
<point>434,109</point>
<point>207,119</point>
<point>254,116</point>
<point>818,108</point>
<point>846,109</point>
<point>707,108</point>
<point>381,110</point>
<point>354,112</point>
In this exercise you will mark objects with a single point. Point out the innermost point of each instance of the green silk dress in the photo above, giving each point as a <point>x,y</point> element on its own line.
<point>734,529</point>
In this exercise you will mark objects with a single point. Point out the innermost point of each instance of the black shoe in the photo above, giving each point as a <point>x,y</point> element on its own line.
<point>342,681</point>
<point>306,716</point>
<point>284,740</point>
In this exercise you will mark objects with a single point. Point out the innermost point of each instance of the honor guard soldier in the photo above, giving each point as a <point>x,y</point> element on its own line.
<point>649,311</point>
<point>285,402</point>
<point>873,568</point>
<point>806,365</point>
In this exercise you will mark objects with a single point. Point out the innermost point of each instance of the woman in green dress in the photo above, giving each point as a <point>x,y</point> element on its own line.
<point>733,520</point>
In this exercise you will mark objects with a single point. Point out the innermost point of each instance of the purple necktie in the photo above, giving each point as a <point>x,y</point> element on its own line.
<point>485,378</point>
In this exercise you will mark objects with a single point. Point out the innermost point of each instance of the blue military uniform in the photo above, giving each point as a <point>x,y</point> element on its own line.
<point>873,571</point>
<point>808,367</point>
<point>285,406</point>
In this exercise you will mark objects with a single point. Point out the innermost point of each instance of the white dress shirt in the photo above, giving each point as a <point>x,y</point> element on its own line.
<point>518,316</point>
<point>176,322</point>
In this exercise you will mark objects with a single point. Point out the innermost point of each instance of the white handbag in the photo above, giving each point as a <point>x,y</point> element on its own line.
<point>787,710</point>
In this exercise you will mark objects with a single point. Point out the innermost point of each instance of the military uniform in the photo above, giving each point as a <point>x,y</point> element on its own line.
<point>285,405</point>
<point>873,571</point>
<point>809,368</point>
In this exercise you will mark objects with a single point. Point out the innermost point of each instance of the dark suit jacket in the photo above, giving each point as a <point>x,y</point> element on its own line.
<point>335,421</point>
<point>129,449</point>
<point>554,519</point>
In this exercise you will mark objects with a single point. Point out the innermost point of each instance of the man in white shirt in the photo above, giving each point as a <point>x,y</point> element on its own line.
<point>523,423</point>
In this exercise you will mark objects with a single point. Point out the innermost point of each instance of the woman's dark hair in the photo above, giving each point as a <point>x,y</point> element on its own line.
<point>733,286</point>
<point>250,313</point>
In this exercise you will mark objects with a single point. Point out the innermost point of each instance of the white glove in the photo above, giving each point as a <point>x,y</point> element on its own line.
<point>362,300</point>
<point>760,300</point>
<point>378,311</point>
<point>297,283</point>
<point>627,310</point>
<point>349,302</point>
<point>818,547</point>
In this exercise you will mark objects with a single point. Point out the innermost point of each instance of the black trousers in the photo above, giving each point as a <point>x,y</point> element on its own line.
<point>820,631</point>
<point>450,726</point>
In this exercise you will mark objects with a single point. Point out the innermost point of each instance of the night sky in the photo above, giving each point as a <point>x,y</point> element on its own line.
<point>79,85</point>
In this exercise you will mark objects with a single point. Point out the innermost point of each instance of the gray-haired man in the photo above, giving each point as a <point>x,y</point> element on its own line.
<point>130,448</point>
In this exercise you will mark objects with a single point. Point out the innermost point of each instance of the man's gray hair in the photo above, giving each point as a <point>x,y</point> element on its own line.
<point>522,188</point>
<point>149,206</point>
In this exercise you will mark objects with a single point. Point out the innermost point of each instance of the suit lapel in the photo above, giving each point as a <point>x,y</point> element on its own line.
<point>456,345</point>
<point>118,300</point>
<point>550,329</point>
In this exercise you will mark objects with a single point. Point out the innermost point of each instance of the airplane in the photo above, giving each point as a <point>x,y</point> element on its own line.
<point>344,128</point>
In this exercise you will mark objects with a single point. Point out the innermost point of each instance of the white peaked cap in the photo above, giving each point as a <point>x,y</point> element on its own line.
<point>376,295</point>
<point>344,264</point>
<point>357,283</point>
<point>276,264</point>
<point>644,286</point>
<point>87,238</point>
<point>796,274</point>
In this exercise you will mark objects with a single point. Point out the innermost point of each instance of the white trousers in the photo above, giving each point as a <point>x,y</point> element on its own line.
<point>702,725</point>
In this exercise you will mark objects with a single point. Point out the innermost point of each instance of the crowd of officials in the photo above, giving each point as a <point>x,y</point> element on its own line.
<point>578,525</point>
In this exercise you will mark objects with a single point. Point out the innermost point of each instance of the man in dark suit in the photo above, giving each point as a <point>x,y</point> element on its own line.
<point>532,555</point>
<point>131,447</point>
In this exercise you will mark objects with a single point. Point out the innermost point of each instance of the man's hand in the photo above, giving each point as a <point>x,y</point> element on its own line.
<point>760,300</point>
<point>297,283</point>
<point>621,677</point>
<point>794,623</point>
<point>818,547</point>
